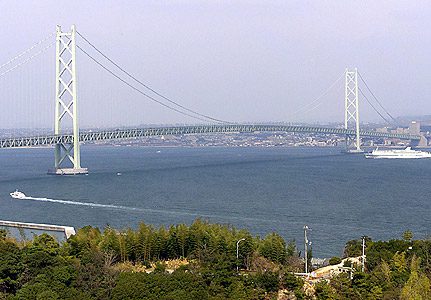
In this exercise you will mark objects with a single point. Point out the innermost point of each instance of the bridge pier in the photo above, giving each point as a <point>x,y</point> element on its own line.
<point>68,171</point>
<point>66,103</point>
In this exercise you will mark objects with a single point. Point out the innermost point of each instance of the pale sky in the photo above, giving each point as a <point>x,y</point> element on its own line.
<point>244,61</point>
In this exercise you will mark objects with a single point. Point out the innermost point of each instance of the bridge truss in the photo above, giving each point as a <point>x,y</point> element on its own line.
<point>93,136</point>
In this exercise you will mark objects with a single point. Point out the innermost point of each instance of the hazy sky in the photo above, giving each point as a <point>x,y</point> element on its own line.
<point>234,60</point>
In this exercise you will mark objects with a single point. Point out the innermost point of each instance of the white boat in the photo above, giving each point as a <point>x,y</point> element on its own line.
<point>18,195</point>
<point>398,153</point>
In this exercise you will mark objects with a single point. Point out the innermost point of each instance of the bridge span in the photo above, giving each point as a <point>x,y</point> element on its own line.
<point>104,135</point>
<point>67,141</point>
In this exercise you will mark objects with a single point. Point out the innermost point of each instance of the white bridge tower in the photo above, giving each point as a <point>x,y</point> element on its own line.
<point>351,113</point>
<point>66,104</point>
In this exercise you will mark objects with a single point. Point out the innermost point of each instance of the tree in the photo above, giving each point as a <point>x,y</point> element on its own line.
<point>334,260</point>
<point>45,242</point>
<point>291,248</point>
<point>182,233</point>
<point>130,244</point>
<point>408,235</point>
<point>418,285</point>
<point>144,242</point>
<point>400,262</point>
<point>325,292</point>
<point>274,248</point>
<point>267,281</point>
<point>291,282</point>
<point>178,285</point>
<point>384,250</point>
<point>343,286</point>
<point>10,266</point>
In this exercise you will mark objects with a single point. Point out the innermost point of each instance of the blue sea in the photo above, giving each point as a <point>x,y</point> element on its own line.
<point>339,196</point>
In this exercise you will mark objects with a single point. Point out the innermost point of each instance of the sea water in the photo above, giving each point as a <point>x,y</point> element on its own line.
<point>339,196</point>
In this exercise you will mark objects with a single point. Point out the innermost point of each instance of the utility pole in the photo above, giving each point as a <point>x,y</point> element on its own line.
<point>306,248</point>
<point>363,254</point>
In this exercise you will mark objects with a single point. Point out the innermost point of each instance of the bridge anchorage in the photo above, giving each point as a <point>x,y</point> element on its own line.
<point>66,104</point>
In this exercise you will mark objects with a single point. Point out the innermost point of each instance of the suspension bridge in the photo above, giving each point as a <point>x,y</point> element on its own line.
<point>67,136</point>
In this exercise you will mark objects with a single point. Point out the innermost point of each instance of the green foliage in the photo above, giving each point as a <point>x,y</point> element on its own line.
<point>46,243</point>
<point>325,292</point>
<point>87,266</point>
<point>347,263</point>
<point>10,266</point>
<point>353,248</point>
<point>334,260</point>
<point>418,284</point>
<point>3,234</point>
<point>292,282</point>
<point>422,249</point>
<point>84,266</point>
<point>291,249</point>
<point>85,240</point>
<point>178,285</point>
<point>379,251</point>
<point>39,256</point>
<point>394,271</point>
<point>343,286</point>
<point>274,248</point>
<point>408,235</point>
<point>150,244</point>
<point>267,281</point>
<point>399,261</point>
<point>160,268</point>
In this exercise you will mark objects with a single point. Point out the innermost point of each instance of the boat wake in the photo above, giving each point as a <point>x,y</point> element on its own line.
<point>108,206</point>
<point>22,196</point>
<point>78,203</point>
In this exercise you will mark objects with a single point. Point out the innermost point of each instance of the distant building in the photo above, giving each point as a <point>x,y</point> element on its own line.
<point>384,129</point>
<point>400,130</point>
<point>415,127</point>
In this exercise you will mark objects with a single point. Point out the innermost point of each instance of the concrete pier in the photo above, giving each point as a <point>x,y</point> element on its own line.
<point>68,230</point>
<point>68,171</point>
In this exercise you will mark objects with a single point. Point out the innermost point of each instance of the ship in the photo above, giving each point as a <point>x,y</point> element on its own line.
<point>398,153</point>
<point>18,195</point>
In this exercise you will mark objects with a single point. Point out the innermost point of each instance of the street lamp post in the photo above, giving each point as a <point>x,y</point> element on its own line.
<point>306,248</point>
<point>237,253</point>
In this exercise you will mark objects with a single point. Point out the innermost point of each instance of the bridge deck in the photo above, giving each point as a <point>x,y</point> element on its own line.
<point>91,136</point>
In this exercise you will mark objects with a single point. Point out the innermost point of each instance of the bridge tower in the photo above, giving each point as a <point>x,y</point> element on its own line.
<point>66,104</point>
<point>351,113</point>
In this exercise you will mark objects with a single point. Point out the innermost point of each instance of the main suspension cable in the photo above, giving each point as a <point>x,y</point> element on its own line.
<point>26,51</point>
<point>375,109</point>
<point>149,88</point>
<point>138,90</point>
<point>317,99</point>
<point>377,100</point>
<point>27,60</point>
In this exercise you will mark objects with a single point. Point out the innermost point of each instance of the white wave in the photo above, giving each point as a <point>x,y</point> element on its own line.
<point>78,203</point>
<point>136,209</point>
<point>111,206</point>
